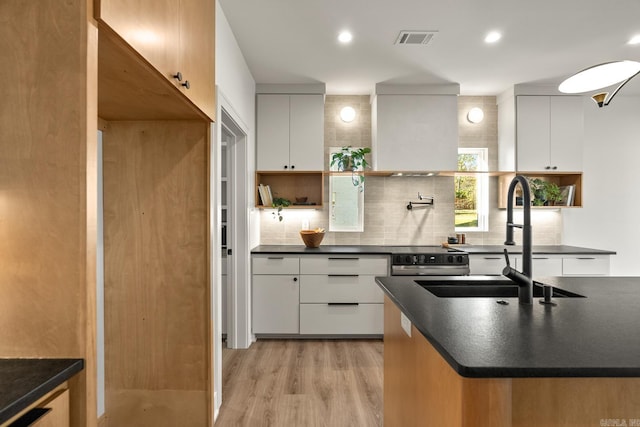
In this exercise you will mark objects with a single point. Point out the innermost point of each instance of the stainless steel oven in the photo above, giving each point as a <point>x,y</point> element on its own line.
<point>428,261</point>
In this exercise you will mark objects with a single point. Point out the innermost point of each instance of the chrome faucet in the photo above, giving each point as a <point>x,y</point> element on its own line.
<point>523,279</point>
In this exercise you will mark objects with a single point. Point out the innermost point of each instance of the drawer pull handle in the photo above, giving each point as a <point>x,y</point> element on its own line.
<point>343,303</point>
<point>585,258</point>
<point>492,257</point>
<point>275,257</point>
<point>343,259</point>
<point>540,258</point>
<point>31,417</point>
<point>343,275</point>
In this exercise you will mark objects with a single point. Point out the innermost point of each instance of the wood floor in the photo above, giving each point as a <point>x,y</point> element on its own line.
<point>303,383</point>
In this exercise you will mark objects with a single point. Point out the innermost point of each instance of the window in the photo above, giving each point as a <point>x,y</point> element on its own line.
<point>472,191</point>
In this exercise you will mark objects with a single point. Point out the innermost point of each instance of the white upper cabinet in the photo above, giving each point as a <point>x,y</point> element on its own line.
<point>415,132</point>
<point>549,133</point>
<point>290,132</point>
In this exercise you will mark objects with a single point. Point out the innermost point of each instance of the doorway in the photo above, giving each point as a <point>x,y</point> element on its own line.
<point>230,238</point>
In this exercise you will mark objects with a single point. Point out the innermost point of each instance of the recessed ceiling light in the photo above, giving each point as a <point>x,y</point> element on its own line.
<point>492,37</point>
<point>345,37</point>
<point>635,39</point>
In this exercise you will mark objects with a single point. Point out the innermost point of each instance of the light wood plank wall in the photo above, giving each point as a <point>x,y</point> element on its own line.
<point>48,51</point>
<point>157,311</point>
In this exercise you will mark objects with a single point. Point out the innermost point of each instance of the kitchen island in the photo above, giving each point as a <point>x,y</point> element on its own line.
<point>31,388</point>
<point>474,362</point>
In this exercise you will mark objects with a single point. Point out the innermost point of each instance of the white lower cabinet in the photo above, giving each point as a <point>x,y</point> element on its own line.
<point>276,304</point>
<point>276,295</point>
<point>318,295</point>
<point>543,265</point>
<point>488,264</point>
<point>588,265</point>
<point>341,318</point>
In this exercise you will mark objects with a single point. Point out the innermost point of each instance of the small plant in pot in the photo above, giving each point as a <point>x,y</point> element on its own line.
<point>351,159</point>
<point>553,193</point>
<point>545,193</point>
<point>279,203</point>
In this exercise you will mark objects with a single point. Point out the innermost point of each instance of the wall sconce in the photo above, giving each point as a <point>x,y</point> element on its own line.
<point>600,76</point>
<point>475,115</point>
<point>347,114</point>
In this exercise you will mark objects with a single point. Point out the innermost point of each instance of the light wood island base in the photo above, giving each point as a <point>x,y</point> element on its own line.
<point>421,389</point>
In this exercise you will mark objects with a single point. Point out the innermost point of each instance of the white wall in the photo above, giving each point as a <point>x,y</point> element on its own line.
<point>610,218</point>
<point>235,88</point>
<point>232,73</point>
<point>236,84</point>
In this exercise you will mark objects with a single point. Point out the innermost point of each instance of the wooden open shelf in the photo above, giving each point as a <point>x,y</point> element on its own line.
<point>560,178</point>
<point>290,185</point>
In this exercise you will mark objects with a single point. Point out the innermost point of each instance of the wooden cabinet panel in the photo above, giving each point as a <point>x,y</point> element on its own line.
<point>197,52</point>
<point>156,270</point>
<point>151,27</point>
<point>58,415</point>
<point>174,37</point>
<point>291,185</point>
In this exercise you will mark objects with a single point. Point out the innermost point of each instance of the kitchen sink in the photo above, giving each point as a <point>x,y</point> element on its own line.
<point>482,287</point>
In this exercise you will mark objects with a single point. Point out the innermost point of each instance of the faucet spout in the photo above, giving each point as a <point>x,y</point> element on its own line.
<point>523,279</point>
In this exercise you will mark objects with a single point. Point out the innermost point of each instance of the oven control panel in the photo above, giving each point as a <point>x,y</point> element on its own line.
<point>431,259</point>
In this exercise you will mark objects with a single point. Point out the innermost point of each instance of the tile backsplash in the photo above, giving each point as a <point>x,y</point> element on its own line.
<point>387,221</point>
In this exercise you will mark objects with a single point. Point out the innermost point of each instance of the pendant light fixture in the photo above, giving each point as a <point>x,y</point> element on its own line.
<point>601,76</point>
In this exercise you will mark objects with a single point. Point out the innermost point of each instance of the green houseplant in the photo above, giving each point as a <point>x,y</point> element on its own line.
<point>279,203</point>
<point>351,159</point>
<point>545,193</point>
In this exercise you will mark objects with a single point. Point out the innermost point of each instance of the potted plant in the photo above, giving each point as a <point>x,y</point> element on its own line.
<point>279,203</point>
<point>545,193</point>
<point>353,159</point>
<point>553,193</point>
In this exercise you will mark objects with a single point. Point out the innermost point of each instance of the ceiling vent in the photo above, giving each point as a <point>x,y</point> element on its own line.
<point>415,37</point>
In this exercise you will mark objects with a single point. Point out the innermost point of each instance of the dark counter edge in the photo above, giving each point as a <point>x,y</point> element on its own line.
<point>76,365</point>
<point>388,249</point>
<point>507,372</point>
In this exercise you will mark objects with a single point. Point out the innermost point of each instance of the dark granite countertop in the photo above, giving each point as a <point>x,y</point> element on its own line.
<point>24,381</point>
<point>595,336</point>
<point>537,249</point>
<point>389,249</point>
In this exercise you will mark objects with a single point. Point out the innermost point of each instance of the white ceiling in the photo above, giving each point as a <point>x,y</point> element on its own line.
<point>544,41</point>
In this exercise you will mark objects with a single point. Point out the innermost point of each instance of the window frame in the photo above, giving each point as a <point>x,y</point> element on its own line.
<point>482,189</point>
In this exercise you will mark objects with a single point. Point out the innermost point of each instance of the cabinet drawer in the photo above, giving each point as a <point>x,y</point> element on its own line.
<point>274,264</point>
<point>486,264</point>
<point>340,288</point>
<point>586,266</point>
<point>325,319</point>
<point>543,265</point>
<point>344,264</point>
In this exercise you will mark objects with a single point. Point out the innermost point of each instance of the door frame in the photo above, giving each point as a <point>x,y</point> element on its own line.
<point>238,239</point>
